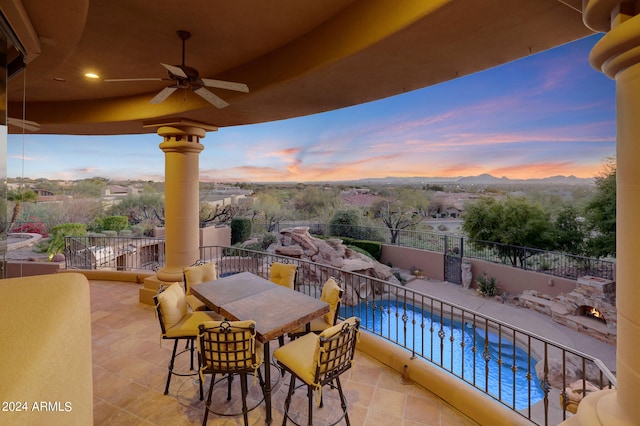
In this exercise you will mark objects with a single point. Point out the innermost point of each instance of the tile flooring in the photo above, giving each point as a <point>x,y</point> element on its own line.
<point>130,370</point>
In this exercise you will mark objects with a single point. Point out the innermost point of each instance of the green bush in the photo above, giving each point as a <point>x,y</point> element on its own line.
<point>372,247</point>
<point>240,229</point>
<point>58,233</point>
<point>347,241</point>
<point>361,251</point>
<point>114,223</point>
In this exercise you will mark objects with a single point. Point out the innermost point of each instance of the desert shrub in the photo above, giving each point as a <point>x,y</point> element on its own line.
<point>114,223</point>
<point>268,239</point>
<point>487,285</point>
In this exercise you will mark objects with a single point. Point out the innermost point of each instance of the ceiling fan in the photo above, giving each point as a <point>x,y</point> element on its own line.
<point>185,77</point>
<point>24,124</point>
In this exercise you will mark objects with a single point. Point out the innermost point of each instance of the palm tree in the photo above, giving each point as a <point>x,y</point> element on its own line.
<point>19,196</point>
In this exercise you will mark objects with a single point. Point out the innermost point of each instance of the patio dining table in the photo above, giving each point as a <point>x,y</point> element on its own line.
<point>277,310</point>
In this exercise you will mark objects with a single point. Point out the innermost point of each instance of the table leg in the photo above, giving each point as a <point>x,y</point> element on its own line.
<point>267,383</point>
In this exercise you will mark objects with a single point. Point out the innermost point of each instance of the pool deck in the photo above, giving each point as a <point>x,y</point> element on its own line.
<point>525,319</point>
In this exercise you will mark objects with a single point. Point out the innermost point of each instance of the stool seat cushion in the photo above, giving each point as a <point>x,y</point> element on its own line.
<point>299,356</point>
<point>188,325</point>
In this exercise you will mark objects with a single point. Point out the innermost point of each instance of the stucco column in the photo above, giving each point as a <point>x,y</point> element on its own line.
<point>182,148</point>
<point>617,55</point>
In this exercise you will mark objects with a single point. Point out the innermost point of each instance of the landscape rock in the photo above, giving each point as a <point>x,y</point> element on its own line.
<point>298,242</point>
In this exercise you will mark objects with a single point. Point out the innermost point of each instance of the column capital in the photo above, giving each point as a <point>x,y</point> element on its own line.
<point>619,48</point>
<point>172,145</point>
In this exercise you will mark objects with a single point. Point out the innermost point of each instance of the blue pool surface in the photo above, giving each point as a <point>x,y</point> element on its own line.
<point>386,320</point>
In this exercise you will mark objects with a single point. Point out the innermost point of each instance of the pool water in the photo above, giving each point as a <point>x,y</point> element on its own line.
<point>386,320</point>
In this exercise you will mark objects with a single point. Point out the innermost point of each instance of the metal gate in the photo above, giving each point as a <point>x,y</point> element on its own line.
<point>453,252</point>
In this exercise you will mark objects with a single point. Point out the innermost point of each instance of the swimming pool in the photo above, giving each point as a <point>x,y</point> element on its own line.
<point>492,370</point>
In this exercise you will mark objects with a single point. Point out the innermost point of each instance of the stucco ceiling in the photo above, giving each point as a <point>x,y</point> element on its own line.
<point>297,57</point>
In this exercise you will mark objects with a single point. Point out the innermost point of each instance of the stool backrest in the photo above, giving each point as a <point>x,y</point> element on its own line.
<point>198,273</point>
<point>335,350</point>
<point>228,346</point>
<point>171,305</point>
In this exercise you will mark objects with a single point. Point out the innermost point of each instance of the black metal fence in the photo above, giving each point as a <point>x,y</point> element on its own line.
<point>507,364</point>
<point>543,261</point>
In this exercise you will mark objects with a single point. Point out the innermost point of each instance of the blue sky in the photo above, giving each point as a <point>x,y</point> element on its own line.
<point>545,115</point>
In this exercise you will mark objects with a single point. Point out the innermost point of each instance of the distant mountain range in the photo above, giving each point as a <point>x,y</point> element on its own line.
<point>484,179</point>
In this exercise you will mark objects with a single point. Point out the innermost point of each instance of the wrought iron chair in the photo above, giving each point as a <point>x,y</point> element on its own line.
<point>283,274</point>
<point>229,347</point>
<point>332,294</point>
<point>318,361</point>
<point>177,323</point>
<point>198,273</point>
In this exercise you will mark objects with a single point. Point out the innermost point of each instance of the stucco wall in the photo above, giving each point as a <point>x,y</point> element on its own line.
<point>515,281</point>
<point>27,269</point>
<point>509,279</point>
<point>215,236</point>
<point>430,263</point>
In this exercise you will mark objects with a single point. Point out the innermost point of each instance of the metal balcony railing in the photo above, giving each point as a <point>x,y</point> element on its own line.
<point>506,363</point>
<point>115,253</point>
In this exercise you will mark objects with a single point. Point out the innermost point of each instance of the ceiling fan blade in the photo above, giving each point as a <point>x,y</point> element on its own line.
<point>24,124</point>
<point>163,94</point>
<point>229,85</point>
<point>210,97</point>
<point>112,80</point>
<point>175,70</point>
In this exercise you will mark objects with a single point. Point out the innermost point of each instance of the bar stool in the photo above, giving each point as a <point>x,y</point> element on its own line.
<point>177,323</point>
<point>230,347</point>
<point>318,361</point>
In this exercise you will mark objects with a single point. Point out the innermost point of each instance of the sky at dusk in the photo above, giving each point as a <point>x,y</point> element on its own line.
<point>545,115</point>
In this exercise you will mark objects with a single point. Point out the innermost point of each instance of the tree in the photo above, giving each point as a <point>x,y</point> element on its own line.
<point>351,223</point>
<point>315,202</point>
<point>404,211</point>
<point>269,208</point>
<point>220,214</point>
<point>345,223</point>
<point>600,214</point>
<point>145,210</point>
<point>91,187</point>
<point>515,222</point>
<point>569,232</point>
<point>19,196</point>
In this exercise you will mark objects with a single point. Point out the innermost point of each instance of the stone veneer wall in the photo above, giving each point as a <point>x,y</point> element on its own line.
<point>566,308</point>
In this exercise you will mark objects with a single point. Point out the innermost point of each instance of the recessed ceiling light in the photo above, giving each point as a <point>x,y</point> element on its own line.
<point>59,79</point>
<point>91,75</point>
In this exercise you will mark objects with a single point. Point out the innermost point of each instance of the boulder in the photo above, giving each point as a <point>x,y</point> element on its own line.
<point>297,242</point>
<point>573,371</point>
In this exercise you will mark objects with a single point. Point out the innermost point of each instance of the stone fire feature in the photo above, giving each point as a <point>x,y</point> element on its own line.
<point>569,309</point>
